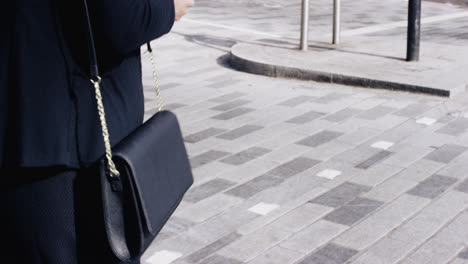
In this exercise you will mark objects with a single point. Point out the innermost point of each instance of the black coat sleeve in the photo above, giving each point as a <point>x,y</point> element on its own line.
<point>128,24</point>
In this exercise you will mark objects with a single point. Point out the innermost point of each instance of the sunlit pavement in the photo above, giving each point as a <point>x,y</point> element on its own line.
<point>290,171</point>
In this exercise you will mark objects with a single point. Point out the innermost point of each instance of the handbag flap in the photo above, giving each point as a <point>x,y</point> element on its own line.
<point>157,160</point>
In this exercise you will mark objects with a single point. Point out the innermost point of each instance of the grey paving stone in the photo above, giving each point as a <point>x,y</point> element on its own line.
<point>174,106</point>
<point>329,98</point>
<point>277,255</point>
<point>356,155</point>
<point>181,243</point>
<point>223,83</point>
<point>359,136</point>
<point>421,170</point>
<point>230,105</point>
<point>406,154</point>
<point>319,138</point>
<point>207,189</point>
<point>463,187</point>
<point>342,115</point>
<point>314,236</point>
<point>227,97</point>
<point>223,223</point>
<point>454,128</point>
<point>327,151</point>
<point>233,113</point>
<point>445,119</point>
<point>239,132</point>
<point>216,259</point>
<point>391,188</point>
<point>458,261</point>
<point>252,245</point>
<point>212,248</point>
<point>178,224</point>
<point>223,77</point>
<point>354,211</point>
<point>446,153</point>
<point>380,223</point>
<point>245,156</point>
<point>373,160</point>
<point>207,208</point>
<point>202,71</point>
<point>412,110</point>
<point>432,186</point>
<point>430,220</point>
<point>376,112</point>
<point>207,157</point>
<point>293,167</point>
<point>165,234</point>
<point>375,175</point>
<point>456,168</point>
<point>385,251</point>
<point>443,246</point>
<point>464,254</point>
<point>399,132</point>
<point>254,186</point>
<point>204,134</point>
<point>169,85</point>
<point>340,195</point>
<point>370,102</point>
<point>300,217</point>
<point>330,254</point>
<point>297,100</point>
<point>305,118</point>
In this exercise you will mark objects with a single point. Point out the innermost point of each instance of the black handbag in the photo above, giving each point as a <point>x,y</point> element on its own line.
<point>148,180</point>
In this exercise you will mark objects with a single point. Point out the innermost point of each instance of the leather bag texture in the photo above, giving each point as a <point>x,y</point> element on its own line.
<point>155,173</point>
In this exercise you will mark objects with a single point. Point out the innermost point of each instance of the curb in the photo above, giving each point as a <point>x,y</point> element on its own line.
<point>248,65</point>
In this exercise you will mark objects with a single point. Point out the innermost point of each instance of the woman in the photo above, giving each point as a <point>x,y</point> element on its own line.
<point>49,127</point>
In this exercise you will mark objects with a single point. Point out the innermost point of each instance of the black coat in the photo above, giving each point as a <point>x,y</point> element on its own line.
<point>48,113</point>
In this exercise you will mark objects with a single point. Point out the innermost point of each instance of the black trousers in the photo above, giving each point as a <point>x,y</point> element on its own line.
<point>51,216</point>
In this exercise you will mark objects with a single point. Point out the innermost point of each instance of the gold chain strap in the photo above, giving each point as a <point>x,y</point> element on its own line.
<point>102,116</point>
<point>105,132</point>
<point>156,82</point>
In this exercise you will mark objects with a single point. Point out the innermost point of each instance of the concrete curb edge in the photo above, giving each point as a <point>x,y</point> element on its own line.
<point>248,65</point>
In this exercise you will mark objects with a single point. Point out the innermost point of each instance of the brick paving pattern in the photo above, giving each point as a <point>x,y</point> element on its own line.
<point>291,171</point>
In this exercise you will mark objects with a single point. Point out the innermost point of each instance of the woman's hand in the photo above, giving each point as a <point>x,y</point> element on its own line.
<point>181,7</point>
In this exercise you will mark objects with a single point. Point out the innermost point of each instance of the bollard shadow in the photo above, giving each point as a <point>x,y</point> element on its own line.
<point>371,54</point>
<point>210,41</point>
<point>226,43</point>
<point>323,47</point>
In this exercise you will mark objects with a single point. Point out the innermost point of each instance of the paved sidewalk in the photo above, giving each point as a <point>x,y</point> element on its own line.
<point>365,62</point>
<point>371,55</point>
<point>454,2</point>
<point>300,172</point>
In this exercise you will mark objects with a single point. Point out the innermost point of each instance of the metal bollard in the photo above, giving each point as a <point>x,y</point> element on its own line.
<point>304,25</point>
<point>336,21</point>
<point>414,30</point>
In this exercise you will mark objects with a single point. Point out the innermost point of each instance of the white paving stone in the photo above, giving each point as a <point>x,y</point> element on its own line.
<point>426,121</point>
<point>329,174</point>
<point>263,208</point>
<point>383,145</point>
<point>163,257</point>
